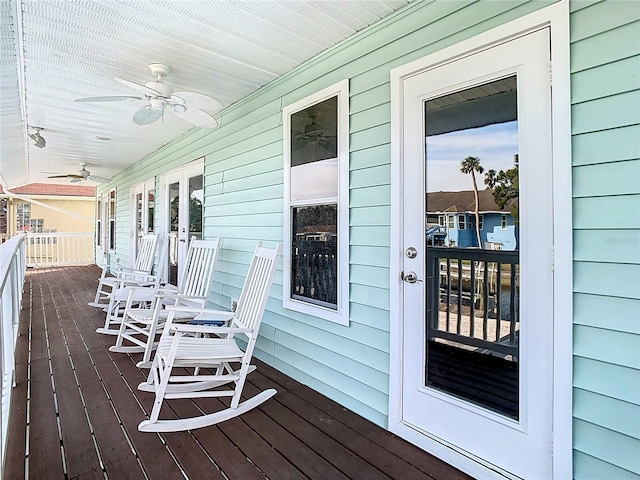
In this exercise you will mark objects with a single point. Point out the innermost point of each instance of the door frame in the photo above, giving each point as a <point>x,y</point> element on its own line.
<point>556,17</point>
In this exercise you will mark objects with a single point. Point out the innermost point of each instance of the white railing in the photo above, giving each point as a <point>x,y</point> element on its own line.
<point>12,271</point>
<point>53,249</point>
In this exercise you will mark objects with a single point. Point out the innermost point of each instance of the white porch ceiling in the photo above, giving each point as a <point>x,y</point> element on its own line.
<point>55,51</point>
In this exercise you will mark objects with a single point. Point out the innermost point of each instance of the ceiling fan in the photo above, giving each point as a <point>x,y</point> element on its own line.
<point>83,174</point>
<point>193,107</point>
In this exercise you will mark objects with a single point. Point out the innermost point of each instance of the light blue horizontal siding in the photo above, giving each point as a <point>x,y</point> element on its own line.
<point>612,279</point>
<point>606,146</point>
<point>614,313</point>
<point>619,246</point>
<point>607,445</point>
<point>607,412</point>
<point>593,468</point>
<point>609,213</point>
<point>605,81</point>
<point>622,178</point>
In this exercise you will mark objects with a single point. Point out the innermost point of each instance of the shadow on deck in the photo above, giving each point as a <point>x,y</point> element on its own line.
<point>75,411</point>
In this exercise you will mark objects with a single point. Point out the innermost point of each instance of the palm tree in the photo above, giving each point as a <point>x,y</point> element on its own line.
<point>472,165</point>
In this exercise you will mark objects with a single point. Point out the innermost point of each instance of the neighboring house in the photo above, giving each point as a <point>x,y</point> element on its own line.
<point>49,208</point>
<point>577,383</point>
<point>455,212</point>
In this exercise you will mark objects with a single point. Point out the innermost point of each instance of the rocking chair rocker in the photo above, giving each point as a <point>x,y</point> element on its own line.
<point>139,326</point>
<point>201,346</point>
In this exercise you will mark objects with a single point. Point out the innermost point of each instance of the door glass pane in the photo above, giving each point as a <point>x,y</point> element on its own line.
<point>151,198</point>
<point>196,194</point>
<point>473,285</point>
<point>174,212</point>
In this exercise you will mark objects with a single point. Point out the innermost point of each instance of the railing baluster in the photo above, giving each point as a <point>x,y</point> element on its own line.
<point>498,300</point>
<point>460,272</point>
<point>512,306</point>
<point>472,307</point>
<point>485,299</point>
<point>448,294</point>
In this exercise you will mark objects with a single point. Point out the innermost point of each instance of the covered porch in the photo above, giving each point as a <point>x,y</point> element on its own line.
<point>75,410</point>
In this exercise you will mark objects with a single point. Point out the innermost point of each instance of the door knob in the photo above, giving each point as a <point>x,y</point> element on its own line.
<point>409,277</point>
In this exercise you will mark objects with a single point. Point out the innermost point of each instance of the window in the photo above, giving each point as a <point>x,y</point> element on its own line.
<point>23,216</point>
<point>451,221</point>
<point>503,222</point>
<point>112,219</point>
<point>316,261</point>
<point>441,220</point>
<point>462,224</point>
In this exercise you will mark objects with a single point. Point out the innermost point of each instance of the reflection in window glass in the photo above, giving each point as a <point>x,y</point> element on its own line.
<point>151,198</point>
<point>196,193</point>
<point>314,133</point>
<point>473,289</point>
<point>314,261</point>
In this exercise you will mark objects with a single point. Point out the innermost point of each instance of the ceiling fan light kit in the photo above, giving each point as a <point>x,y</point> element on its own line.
<point>195,108</point>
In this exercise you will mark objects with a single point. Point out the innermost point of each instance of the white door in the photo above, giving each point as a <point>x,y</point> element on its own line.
<point>477,322</point>
<point>182,203</point>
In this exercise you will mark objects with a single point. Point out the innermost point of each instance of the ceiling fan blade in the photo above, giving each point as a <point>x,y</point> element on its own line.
<point>197,100</point>
<point>198,117</point>
<point>98,179</point>
<point>147,115</point>
<point>142,88</point>
<point>68,175</point>
<point>76,180</point>
<point>114,98</point>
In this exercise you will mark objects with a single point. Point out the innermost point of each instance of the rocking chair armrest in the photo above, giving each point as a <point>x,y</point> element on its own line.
<point>189,328</point>
<point>209,312</point>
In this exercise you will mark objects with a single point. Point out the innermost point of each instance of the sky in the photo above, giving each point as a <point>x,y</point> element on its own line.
<point>495,145</point>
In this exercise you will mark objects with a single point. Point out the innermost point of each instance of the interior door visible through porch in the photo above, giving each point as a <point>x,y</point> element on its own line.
<point>184,195</point>
<point>477,295</point>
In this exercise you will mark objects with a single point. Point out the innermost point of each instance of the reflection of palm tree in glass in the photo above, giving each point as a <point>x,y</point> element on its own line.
<point>472,165</point>
<point>195,217</point>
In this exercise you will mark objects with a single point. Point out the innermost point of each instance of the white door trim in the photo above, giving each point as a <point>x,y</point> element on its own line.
<point>557,18</point>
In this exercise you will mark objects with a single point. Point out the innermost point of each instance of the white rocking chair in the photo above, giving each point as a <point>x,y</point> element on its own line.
<point>140,326</point>
<point>212,347</point>
<point>140,272</point>
<point>146,292</point>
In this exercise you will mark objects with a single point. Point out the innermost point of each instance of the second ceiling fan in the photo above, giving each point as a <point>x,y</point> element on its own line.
<point>195,108</point>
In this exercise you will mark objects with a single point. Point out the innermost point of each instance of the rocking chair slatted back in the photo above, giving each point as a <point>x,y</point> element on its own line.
<point>254,295</point>
<point>145,253</point>
<point>198,273</point>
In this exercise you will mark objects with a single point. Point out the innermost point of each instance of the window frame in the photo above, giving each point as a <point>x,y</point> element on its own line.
<point>341,314</point>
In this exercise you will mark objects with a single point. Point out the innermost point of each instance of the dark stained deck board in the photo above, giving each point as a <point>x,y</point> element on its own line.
<point>117,457</point>
<point>44,456</point>
<point>298,434</point>
<point>14,456</point>
<point>81,458</point>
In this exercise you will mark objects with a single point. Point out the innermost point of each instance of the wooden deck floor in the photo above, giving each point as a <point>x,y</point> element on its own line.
<point>75,412</point>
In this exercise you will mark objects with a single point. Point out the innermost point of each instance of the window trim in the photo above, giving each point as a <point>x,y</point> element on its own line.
<point>341,314</point>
